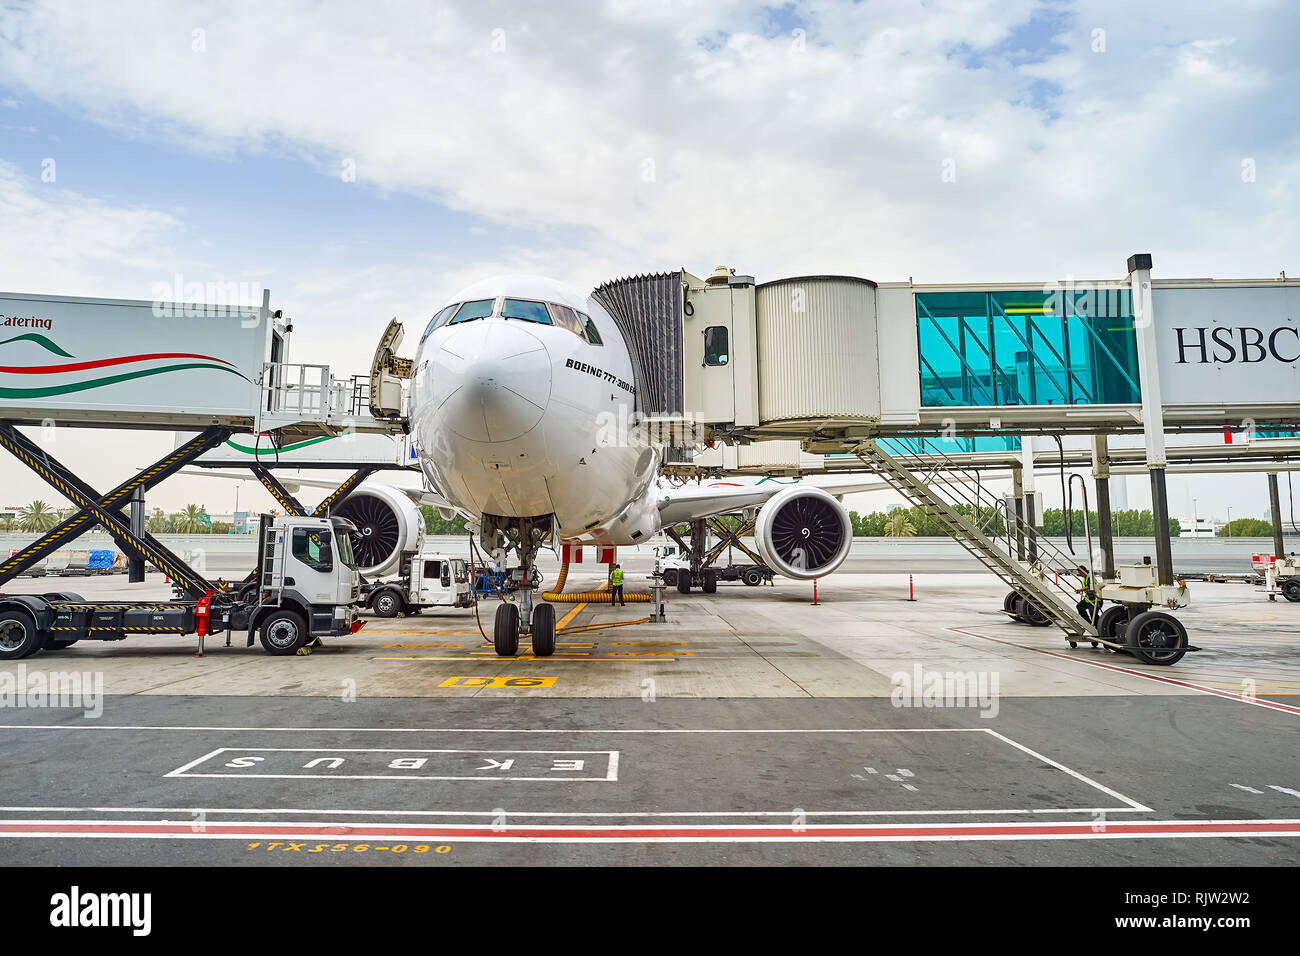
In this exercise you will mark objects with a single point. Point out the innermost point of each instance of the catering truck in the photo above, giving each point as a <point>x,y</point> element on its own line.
<point>308,587</point>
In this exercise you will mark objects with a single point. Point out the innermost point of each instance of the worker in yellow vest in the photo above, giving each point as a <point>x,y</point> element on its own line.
<point>616,586</point>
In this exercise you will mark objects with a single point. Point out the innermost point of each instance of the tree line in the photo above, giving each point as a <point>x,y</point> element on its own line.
<point>908,522</point>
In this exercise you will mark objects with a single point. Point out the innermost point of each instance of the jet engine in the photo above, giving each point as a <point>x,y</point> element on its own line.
<point>388,524</point>
<point>803,532</point>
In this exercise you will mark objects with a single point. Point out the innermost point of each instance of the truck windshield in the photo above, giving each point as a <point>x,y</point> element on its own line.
<point>345,548</point>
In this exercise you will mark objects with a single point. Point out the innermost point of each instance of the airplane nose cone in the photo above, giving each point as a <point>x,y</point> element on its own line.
<point>491,380</point>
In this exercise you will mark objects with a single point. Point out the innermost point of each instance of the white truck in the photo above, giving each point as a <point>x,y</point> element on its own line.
<point>676,570</point>
<point>306,587</point>
<point>425,580</point>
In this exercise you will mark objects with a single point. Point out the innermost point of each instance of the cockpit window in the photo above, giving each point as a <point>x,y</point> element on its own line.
<point>566,318</point>
<point>527,310</point>
<point>593,336</point>
<point>478,309</point>
<point>439,320</point>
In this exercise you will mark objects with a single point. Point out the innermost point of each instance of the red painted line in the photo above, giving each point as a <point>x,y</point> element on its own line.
<point>1201,688</point>
<point>1083,830</point>
<point>104,363</point>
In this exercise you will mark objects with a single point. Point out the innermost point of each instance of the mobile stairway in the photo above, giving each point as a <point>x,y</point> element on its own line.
<point>1046,586</point>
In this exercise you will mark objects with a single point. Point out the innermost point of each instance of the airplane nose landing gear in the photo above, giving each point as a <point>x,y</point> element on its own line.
<point>513,619</point>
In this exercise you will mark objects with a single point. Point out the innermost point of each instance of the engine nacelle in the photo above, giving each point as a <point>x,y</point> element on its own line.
<point>388,524</point>
<point>803,532</point>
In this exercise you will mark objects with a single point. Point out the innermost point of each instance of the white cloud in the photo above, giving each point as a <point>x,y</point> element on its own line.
<point>763,156</point>
<point>58,240</point>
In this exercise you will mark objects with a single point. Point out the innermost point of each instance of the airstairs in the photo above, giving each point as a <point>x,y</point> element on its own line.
<point>970,513</point>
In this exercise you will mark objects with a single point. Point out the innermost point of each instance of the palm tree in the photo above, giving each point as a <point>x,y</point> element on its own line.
<point>37,516</point>
<point>898,526</point>
<point>7,521</point>
<point>190,520</point>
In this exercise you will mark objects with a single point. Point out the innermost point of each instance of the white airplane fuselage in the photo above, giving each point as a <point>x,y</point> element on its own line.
<point>522,398</point>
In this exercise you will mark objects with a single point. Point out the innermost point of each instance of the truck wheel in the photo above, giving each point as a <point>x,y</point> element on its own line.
<point>1111,624</point>
<point>752,577</point>
<point>710,583</point>
<point>1155,637</point>
<point>1010,604</point>
<point>1291,589</point>
<point>386,603</point>
<point>543,630</point>
<point>18,636</point>
<point>1031,614</point>
<point>505,630</point>
<point>683,582</point>
<point>283,633</point>
<point>670,577</point>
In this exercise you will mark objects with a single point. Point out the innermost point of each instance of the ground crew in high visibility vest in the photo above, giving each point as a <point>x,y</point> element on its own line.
<point>1087,607</point>
<point>616,586</point>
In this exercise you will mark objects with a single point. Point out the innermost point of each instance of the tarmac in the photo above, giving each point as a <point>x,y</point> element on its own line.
<point>752,727</point>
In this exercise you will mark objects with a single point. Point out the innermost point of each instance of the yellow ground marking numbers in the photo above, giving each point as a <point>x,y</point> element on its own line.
<point>499,682</point>
<point>307,846</point>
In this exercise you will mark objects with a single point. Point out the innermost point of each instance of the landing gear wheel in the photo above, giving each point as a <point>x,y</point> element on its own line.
<point>684,582</point>
<point>1010,605</point>
<point>1029,612</point>
<point>543,630</point>
<point>1111,624</point>
<point>1155,637</point>
<point>283,633</point>
<point>709,584</point>
<point>505,630</point>
<point>1291,589</point>
<point>18,636</point>
<point>752,577</point>
<point>386,604</point>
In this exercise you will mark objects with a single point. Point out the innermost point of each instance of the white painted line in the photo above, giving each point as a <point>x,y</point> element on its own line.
<point>1073,773</point>
<point>680,833</point>
<point>1176,682</point>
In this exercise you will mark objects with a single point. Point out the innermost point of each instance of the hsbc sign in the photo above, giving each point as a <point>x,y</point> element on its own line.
<point>1228,345</point>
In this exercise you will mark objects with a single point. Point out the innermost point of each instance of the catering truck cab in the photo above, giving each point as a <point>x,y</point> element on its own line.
<point>307,586</point>
<point>426,580</point>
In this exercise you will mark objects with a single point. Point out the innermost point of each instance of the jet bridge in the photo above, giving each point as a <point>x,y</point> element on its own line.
<point>844,365</point>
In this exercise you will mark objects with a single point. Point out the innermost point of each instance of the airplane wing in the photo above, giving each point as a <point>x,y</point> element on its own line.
<point>690,502</point>
<point>421,496</point>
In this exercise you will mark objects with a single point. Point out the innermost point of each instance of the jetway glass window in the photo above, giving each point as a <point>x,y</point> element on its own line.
<point>715,345</point>
<point>956,445</point>
<point>955,347</point>
<point>1065,347</point>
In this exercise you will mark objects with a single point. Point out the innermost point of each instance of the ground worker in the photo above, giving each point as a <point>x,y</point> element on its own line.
<point>1087,606</point>
<point>616,586</point>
